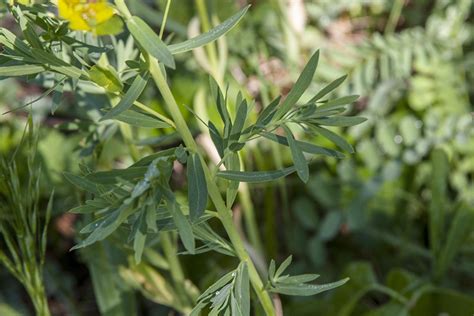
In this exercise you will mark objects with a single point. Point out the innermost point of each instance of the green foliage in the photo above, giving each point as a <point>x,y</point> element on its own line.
<point>24,222</point>
<point>296,285</point>
<point>181,183</point>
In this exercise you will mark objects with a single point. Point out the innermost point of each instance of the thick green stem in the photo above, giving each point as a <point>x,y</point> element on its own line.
<point>225,214</point>
<point>40,302</point>
<point>244,191</point>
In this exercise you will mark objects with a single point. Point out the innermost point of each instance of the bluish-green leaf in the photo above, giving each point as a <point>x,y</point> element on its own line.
<point>216,138</point>
<point>306,147</point>
<point>306,289</point>
<point>81,182</point>
<point>209,36</point>
<point>150,41</point>
<point>20,70</point>
<point>255,176</point>
<point>340,121</point>
<point>140,119</point>
<point>284,265</point>
<point>242,290</point>
<point>110,177</point>
<point>301,164</point>
<point>132,94</point>
<point>239,121</point>
<point>333,137</point>
<point>300,86</point>
<point>197,187</point>
<point>298,279</point>
<point>327,89</point>
<point>232,162</point>
<point>185,230</point>
<point>139,238</point>
<point>268,113</point>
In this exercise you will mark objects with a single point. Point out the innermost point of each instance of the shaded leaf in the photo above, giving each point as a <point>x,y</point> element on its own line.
<point>197,187</point>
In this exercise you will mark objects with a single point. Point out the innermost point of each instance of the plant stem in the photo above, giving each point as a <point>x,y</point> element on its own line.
<point>394,16</point>
<point>165,18</point>
<point>225,214</point>
<point>211,48</point>
<point>244,191</point>
<point>249,213</point>
<point>38,297</point>
<point>176,271</point>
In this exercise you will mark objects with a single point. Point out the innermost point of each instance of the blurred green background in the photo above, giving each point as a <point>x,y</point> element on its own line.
<point>366,216</point>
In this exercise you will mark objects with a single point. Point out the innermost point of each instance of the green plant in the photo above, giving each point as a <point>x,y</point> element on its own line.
<point>139,200</point>
<point>23,223</point>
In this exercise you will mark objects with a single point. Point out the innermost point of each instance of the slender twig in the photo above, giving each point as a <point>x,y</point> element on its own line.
<point>165,18</point>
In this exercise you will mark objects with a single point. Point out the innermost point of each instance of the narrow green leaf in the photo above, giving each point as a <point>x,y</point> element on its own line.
<point>81,183</point>
<point>140,119</point>
<point>209,36</point>
<point>232,163</point>
<point>300,86</point>
<point>242,290</point>
<point>306,147</point>
<point>271,269</point>
<point>105,227</point>
<point>239,121</point>
<point>217,285</point>
<point>20,70</point>
<point>306,289</point>
<point>327,89</point>
<point>301,164</point>
<point>184,227</point>
<point>221,106</point>
<point>197,187</point>
<point>333,137</point>
<point>56,64</point>
<point>47,218</point>
<point>150,41</point>
<point>338,102</point>
<point>267,114</point>
<point>298,279</point>
<point>132,94</point>
<point>255,176</point>
<point>14,43</point>
<point>235,147</point>
<point>339,120</point>
<point>197,309</point>
<point>139,238</point>
<point>151,216</point>
<point>83,209</point>
<point>110,177</point>
<point>284,265</point>
<point>145,161</point>
<point>234,306</point>
<point>216,138</point>
<point>57,94</point>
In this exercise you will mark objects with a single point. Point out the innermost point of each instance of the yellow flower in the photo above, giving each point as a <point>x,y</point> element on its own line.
<point>85,15</point>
